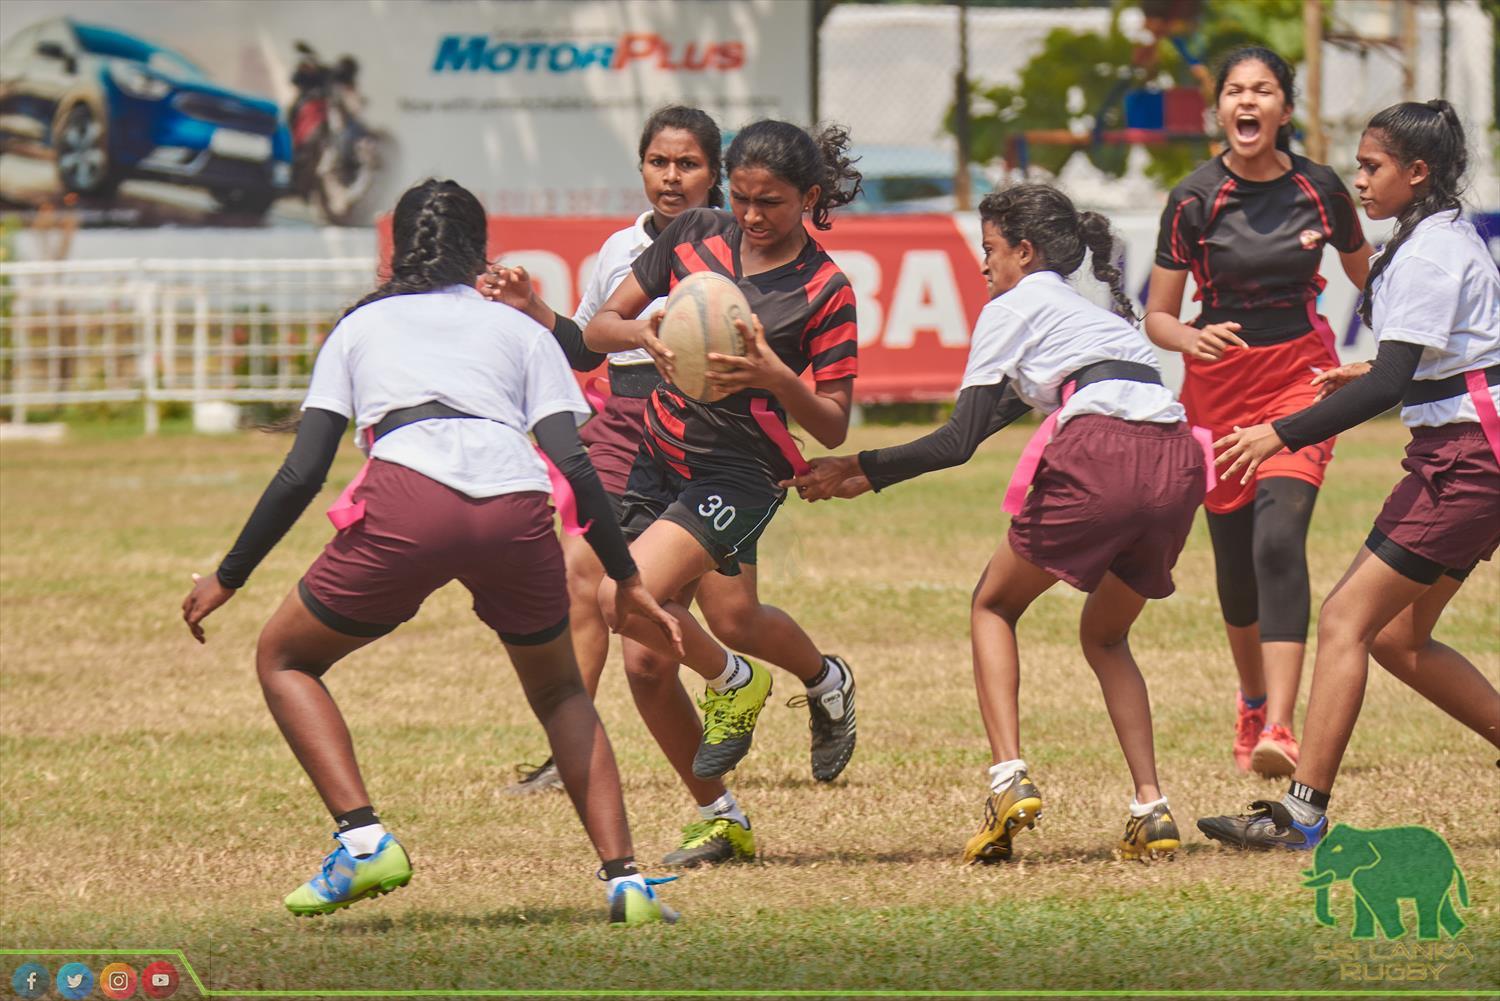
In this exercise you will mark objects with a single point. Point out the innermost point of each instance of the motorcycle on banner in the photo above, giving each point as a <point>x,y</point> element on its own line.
<point>335,155</point>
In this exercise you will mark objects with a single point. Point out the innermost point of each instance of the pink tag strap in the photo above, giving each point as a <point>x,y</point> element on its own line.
<point>346,510</point>
<point>563,498</point>
<point>1031,457</point>
<point>593,392</point>
<point>760,409</point>
<point>1484,407</point>
<point>1205,439</point>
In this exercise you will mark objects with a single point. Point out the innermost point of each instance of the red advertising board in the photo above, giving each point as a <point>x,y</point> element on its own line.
<point>916,281</point>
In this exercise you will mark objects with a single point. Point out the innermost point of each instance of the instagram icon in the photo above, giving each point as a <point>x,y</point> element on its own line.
<point>117,980</point>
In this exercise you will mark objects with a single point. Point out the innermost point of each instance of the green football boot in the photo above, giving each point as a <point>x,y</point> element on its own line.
<point>345,879</point>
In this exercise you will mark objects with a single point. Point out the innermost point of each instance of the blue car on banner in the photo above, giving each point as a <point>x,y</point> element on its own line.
<point>107,106</point>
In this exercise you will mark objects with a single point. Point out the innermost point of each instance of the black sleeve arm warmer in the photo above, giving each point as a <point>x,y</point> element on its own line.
<point>558,437</point>
<point>1372,394</point>
<point>293,487</point>
<point>979,413</point>
<point>570,338</point>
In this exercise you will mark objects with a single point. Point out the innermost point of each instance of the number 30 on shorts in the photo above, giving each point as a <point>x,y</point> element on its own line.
<point>715,510</point>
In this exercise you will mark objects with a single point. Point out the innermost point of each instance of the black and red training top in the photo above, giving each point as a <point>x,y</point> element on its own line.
<point>807,309</point>
<point>1254,247</point>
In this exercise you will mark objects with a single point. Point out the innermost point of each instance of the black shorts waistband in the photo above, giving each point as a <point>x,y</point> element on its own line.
<point>1263,326</point>
<point>633,381</point>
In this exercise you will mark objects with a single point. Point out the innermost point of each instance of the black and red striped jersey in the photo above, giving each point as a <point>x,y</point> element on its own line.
<point>807,309</point>
<point>1254,247</point>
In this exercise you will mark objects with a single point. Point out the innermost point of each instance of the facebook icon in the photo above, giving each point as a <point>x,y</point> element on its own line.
<point>29,980</point>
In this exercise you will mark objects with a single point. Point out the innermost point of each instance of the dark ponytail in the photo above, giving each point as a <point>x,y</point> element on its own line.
<point>703,129</point>
<point>1285,76</point>
<point>802,160</point>
<point>1059,233</point>
<point>438,235</point>
<point>1409,132</point>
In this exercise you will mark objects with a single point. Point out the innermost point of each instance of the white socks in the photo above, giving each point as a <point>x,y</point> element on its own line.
<point>361,841</point>
<point>620,881</point>
<point>736,673</point>
<point>832,678</point>
<point>726,807</point>
<point>1144,809</point>
<point>1003,773</point>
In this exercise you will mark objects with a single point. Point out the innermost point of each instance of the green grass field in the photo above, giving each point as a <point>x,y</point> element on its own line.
<point>147,800</point>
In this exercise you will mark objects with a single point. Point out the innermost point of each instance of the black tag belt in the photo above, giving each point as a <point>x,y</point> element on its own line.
<point>1432,390</point>
<point>1104,371</point>
<point>432,410</point>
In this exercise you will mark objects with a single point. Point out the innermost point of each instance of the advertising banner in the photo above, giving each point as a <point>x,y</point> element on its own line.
<point>282,112</point>
<point>917,285</point>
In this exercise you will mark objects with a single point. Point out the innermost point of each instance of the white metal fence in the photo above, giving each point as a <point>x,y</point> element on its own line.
<point>161,331</point>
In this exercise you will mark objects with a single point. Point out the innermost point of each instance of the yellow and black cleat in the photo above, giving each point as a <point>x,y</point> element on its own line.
<point>1151,837</point>
<point>1016,809</point>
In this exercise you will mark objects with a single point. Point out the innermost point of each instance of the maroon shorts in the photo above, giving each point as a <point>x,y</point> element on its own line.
<point>417,535</point>
<point>613,437</point>
<point>1444,515</point>
<point>1112,496</point>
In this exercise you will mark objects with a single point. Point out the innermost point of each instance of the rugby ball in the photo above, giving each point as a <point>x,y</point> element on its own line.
<point>699,319</point>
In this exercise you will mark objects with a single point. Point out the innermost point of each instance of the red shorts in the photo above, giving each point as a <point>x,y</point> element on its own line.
<point>1446,510</point>
<point>418,535</point>
<point>1112,496</point>
<point>613,436</point>
<point>1256,386</point>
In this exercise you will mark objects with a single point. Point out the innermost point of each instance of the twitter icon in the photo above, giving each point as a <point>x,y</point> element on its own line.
<point>75,981</point>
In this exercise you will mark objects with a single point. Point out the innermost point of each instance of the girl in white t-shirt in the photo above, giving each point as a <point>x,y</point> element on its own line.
<point>1114,493</point>
<point>443,388</point>
<point>681,168</point>
<point>1433,297</point>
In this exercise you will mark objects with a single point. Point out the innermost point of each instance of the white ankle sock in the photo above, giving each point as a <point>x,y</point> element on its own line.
<point>736,673</point>
<point>1138,809</point>
<point>1302,811</point>
<point>619,881</point>
<point>831,680</point>
<point>1003,772</point>
<point>361,841</point>
<point>727,807</point>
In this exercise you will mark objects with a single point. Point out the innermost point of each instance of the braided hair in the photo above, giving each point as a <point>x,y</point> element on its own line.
<point>802,160</point>
<point>1059,233</point>
<point>438,231</point>
<point>1432,133</point>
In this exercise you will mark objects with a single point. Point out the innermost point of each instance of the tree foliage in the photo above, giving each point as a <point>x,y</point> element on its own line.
<point>1078,75</point>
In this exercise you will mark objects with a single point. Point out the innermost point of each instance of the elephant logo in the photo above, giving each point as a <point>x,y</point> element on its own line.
<point>1384,867</point>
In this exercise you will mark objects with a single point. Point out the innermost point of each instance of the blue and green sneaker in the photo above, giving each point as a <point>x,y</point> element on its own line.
<point>345,879</point>
<point>634,904</point>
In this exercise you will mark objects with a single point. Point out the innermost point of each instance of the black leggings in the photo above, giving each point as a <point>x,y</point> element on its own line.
<point>1266,542</point>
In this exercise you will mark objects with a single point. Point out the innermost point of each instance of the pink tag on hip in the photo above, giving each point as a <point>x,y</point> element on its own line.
<point>779,435</point>
<point>593,393</point>
<point>1031,458</point>
<point>563,498</point>
<point>1484,407</point>
<point>1205,439</point>
<point>346,510</point>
